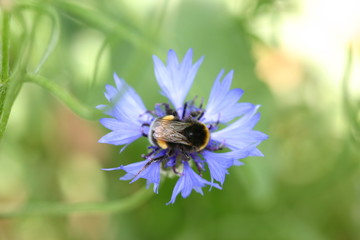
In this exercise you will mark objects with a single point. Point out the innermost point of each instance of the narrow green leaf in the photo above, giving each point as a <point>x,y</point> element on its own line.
<point>127,204</point>
<point>69,100</point>
<point>5,58</point>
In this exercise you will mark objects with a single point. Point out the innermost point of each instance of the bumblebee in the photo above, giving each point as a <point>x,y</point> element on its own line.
<point>187,135</point>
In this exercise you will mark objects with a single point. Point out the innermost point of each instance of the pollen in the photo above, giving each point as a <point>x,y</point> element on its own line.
<point>162,144</point>
<point>169,117</point>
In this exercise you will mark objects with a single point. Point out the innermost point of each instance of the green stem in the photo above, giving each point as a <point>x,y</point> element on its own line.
<point>10,89</point>
<point>346,80</point>
<point>351,111</point>
<point>13,90</point>
<point>64,96</point>
<point>97,60</point>
<point>106,24</point>
<point>160,16</point>
<point>54,36</point>
<point>28,35</point>
<point>5,59</point>
<point>122,205</point>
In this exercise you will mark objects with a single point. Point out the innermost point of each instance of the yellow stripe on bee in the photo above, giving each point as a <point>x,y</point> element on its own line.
<point>162,144</point>
<point>168,117</point>
<point>207,137</point>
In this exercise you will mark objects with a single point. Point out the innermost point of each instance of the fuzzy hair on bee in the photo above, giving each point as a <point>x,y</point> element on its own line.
<point>187,135</point>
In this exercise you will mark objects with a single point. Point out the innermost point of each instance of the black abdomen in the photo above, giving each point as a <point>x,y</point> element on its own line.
<point>197,134</point>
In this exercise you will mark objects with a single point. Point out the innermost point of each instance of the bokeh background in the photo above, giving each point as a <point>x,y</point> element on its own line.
<point>299,59</point>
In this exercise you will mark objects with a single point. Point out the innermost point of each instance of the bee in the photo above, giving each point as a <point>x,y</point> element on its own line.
<point>187,135</point>
<point>184,136</point>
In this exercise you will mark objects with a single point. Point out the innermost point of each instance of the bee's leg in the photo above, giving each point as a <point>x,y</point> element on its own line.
<point>150,162</point>
<point>188,157</point>
<point>145,156</point>
<point>169,154</point>
<point>198,167</point>
<point>175,171</point>
<point>185,154</point>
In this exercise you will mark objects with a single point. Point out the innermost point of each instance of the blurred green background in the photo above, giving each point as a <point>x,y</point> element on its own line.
<point>292,57</point>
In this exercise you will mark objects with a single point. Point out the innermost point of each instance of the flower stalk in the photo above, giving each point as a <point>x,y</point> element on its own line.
<point>5,58</point>
<point>69,100</point>
<point>127,204</point>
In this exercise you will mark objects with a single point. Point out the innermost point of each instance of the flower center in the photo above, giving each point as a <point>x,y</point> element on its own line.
<point>176,136</point>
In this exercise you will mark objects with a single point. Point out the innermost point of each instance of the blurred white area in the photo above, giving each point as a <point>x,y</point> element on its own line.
<point>314,32</point>
<point>85,47</point>
<point>321,33</point>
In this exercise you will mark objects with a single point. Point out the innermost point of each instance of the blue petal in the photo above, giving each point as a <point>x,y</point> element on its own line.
<point>112,169</point>
<point>239,109</point>
<point>111,92</point>
<point>155,187</point>
<point>114,124</point>
<point>159,110</point>
<point>256,153</point>
<point>176,78</point>
<point>223,103</point>
<point>239,134</point>
<point>119,137</point>
<point>122,133</point>
<point>188,181</point>
<point>125,103</point>
<point>238,163</point>
<point>218,163</point>
<point>151,173</point>
<point>128,111</point>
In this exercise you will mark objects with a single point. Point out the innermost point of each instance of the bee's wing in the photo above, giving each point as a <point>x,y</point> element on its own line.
<point>170,131</point>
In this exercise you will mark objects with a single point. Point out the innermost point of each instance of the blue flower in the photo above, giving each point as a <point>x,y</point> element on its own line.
<point>184,137</point>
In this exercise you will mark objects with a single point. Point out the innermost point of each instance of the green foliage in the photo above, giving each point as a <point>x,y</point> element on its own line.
<point>51,182</point>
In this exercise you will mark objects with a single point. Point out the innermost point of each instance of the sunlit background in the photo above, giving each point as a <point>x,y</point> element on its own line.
<point>299,59</point>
